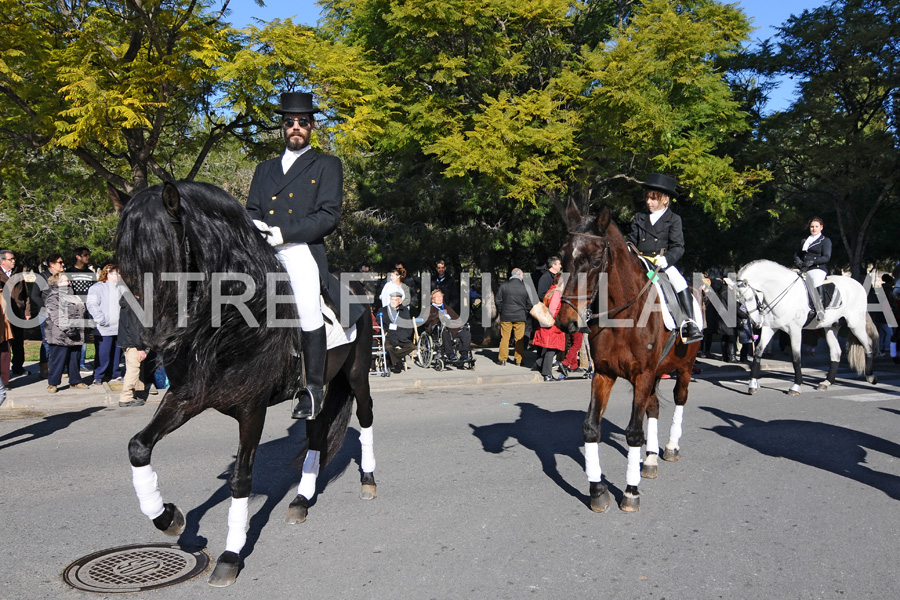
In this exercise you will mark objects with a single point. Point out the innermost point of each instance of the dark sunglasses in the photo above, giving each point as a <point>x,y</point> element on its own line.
<point>303,122</point>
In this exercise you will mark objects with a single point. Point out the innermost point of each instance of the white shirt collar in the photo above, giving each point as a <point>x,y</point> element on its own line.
<point>655,216</point>
<point>289,156</point>
<point>810,240</point>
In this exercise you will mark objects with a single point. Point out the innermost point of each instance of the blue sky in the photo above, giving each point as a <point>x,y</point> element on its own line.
<point>765,15</point>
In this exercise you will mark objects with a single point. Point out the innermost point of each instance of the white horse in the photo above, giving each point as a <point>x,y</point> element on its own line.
<point>776,298</point>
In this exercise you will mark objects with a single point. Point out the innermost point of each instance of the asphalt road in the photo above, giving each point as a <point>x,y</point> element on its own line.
<point>482,494</point>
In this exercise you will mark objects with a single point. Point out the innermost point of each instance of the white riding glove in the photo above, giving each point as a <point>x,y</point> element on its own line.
<point>272,234</point>
<point>275,238</point>
<point>661,262</point>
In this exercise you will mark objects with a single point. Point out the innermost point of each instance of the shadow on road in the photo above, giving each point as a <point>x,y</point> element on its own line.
<point>276,474</point>
<point>832,448</point>
<point>548,433</point>
<point>50,425</point>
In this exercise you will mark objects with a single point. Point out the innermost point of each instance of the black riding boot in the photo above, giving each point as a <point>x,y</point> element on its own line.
<point>309,401</point>
<point>690,333</point>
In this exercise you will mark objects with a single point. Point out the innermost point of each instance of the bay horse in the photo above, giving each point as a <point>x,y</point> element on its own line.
<point>226,345</point>
<point>639,349</point>
<point>775,298</point>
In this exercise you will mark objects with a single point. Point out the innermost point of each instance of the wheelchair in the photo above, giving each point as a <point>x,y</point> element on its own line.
<point>430,351</point>
<point>379,345</point>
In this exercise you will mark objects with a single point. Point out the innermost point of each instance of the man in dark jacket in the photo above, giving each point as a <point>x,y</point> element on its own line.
<point>554,266</point>
<point>513,303</point>
<point>295,201</point>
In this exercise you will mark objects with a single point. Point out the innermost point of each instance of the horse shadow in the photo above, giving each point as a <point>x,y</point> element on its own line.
<point>48,426</point>
<point>276,471</point>
<point>549,434</point>
<point>832,448</point>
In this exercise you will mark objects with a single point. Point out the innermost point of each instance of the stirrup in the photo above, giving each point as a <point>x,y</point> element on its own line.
<point>307,406</point>
<point>693,337</point>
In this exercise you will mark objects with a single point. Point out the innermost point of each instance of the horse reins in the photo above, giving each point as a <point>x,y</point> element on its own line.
<point>588,316</point>
<point>764,307</point>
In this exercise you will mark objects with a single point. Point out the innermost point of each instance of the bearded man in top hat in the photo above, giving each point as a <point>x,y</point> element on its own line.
<point>295,201</point>
<point>657,235</point>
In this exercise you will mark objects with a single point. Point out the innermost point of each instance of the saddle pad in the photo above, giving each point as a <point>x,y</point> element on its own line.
<point>831,296</point>
<point>667,313</point>
<point>335,335</point>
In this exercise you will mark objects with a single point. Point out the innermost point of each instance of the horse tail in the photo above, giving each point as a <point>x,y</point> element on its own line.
<point>335,416</point>
<point>856,349</point>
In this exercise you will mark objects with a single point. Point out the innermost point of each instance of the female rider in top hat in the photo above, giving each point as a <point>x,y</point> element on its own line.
<point>658,234</point>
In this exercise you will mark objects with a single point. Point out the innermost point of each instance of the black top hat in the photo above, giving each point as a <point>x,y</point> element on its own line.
<point>663,183</point>
<point>296,103</point>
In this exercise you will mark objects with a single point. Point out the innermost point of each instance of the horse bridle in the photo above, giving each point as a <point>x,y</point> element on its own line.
<point>587,315</point>
<point>764,307</point>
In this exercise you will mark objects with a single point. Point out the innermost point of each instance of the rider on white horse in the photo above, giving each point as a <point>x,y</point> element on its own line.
<point>812,259</point>
<point>657,234</point>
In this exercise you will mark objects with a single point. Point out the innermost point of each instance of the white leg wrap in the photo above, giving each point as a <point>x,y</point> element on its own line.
<point>675,431</point>
<point>653,436</point>
<point>307,487</point>
<point>238,519</point>
<point>367,441</point>
<point>633,473</point>
<point>592,462</point>
<point>144,480</point>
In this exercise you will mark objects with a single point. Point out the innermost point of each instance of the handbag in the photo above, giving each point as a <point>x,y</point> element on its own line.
<point>542,314</point>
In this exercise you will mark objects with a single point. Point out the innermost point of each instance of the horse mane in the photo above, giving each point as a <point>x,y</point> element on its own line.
<point>605,226</point>
<point>233,358</point>
<point>766,266</point>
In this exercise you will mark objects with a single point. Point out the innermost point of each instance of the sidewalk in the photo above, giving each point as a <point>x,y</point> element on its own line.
<point>29,392</point>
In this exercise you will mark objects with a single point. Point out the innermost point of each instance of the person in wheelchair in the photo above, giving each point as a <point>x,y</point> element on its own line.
<point>453,329</point>
<point>398,331</point>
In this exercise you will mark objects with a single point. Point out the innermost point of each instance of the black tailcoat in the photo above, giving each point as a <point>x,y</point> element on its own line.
<point>652,239</point>
<point>305,203</point>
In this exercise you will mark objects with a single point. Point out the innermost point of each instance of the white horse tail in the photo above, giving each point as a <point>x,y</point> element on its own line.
<point>856,349</point>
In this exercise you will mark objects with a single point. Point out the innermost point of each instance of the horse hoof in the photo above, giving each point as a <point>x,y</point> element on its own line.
<point>630,503</point>
<point>226,571</point>
<point>297,511</point>
<point>600,499</point>
<point>368,492</point>
<point>649,469</point>
<point>671,454</point>
<point>823,386</point>
<point>873,380</point>
<point>171,522</point>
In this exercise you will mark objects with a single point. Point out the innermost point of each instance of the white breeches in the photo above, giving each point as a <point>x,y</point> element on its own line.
<point>818,276</point>
<point>304,273</point>
<point>676,278</point>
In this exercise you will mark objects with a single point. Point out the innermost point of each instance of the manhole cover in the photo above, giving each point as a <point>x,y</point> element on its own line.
<point>135,568</point>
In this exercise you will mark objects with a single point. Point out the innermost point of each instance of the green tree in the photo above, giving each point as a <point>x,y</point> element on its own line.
<point>504,110</point>
<point>836,149</point>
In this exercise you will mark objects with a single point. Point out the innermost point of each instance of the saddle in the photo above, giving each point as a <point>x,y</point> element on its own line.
<point>666,291</point>
<point>828,294</point>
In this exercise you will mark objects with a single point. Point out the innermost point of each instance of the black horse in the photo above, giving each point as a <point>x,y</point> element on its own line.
<point>191,256</point>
